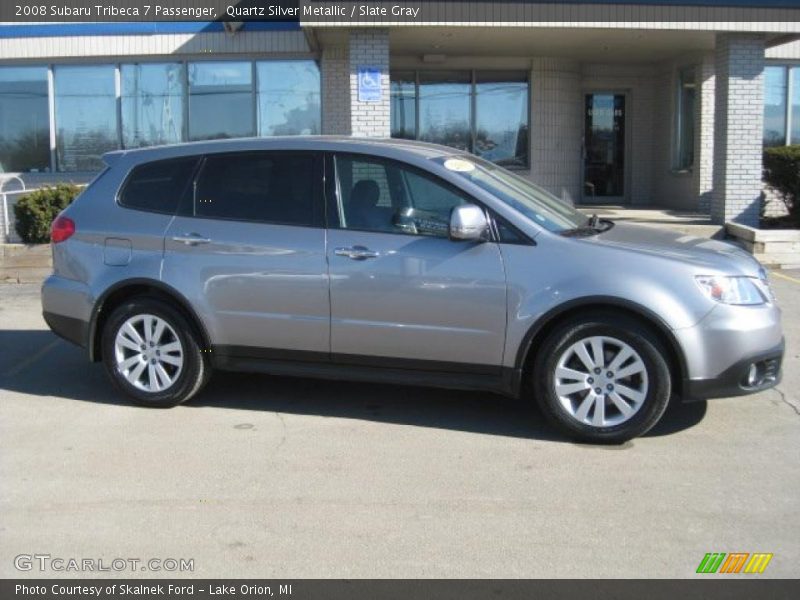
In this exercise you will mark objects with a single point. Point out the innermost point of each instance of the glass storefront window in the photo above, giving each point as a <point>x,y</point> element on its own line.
<point>86,116</point>
<point>24,120</point>
<point>501,118</point>
<point>774,106</point>
<point>685,119</point>
<point>220,100</point>
<point>288,97</point>
<point>444,109</point>
<point>403,92</point>
<point>485,112</point>
<point>152,104</point>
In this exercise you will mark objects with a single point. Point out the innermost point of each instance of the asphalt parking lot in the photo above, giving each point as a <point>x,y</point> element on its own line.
<point>276,477</point>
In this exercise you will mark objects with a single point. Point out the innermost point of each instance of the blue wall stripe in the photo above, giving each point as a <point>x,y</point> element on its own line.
<point>144,28</point>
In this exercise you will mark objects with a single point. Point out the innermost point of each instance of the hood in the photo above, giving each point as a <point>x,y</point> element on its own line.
<point>704,252</point>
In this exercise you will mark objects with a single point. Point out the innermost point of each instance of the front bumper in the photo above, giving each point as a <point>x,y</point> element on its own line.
<point>748,376</point>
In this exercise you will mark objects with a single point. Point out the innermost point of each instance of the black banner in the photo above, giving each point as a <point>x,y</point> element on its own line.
<point>733,588</point>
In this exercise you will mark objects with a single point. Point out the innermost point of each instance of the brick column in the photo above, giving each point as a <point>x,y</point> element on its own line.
<point>704,133</point>
<point>738,131</point>
<point>556,126</point>
<point>335,70</point>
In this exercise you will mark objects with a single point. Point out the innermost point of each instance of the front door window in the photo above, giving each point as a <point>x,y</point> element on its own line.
<point>604,159</point>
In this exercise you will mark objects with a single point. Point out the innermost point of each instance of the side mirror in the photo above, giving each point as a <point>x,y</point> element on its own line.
<point>468,223</point>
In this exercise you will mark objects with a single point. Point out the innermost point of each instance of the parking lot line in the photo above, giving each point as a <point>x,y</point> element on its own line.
<point>23,364</point>
<point>786,277</point>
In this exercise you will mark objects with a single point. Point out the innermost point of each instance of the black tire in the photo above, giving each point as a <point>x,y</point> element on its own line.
<point>195,371</point>
<point>630,331</point>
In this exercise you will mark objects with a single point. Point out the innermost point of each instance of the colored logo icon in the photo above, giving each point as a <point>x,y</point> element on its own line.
<point>735,562</point>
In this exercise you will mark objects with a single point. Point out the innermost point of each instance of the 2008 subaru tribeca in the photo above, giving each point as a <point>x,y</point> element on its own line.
<point>398,262</point>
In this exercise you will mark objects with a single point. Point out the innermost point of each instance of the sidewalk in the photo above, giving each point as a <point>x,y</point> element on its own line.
<point>690,223</point>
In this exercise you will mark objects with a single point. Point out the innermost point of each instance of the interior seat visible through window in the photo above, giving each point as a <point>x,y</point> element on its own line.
<point>363,211</point>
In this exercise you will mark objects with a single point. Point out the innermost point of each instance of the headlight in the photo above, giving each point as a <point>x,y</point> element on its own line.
<point>730,290</point>
<point>764,285</point>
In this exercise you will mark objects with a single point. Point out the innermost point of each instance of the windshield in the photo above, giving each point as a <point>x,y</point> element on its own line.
<point>539,205</point>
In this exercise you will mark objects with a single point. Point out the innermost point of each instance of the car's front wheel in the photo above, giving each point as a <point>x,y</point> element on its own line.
<point>602,378</point>
<point>152,353</point>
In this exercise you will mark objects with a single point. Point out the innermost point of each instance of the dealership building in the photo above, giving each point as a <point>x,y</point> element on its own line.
<point>664,104</point>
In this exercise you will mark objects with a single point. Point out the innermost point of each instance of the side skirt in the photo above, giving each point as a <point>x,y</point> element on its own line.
<point>320,365</point>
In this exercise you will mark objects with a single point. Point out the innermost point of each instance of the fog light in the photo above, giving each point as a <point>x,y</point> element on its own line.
<point>752,375</point>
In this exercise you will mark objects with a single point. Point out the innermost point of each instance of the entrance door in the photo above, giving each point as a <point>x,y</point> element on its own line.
<point>604,149</point>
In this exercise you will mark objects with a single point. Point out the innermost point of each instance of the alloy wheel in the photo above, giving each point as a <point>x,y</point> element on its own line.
<point>148,353</point>
<point>601,381</point>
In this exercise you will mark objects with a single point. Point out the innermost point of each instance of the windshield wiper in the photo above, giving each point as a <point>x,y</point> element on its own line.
<point>593,226</point>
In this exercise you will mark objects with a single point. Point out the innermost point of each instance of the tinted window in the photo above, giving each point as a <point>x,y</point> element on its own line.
<point>263,186</point>
<point>685,120</point>
<point>24,119</point>
<point>288,97</point>
<point>158,186</point>
<point>220,100</point>
<point>403,106</point>
<point>795,106</point>
<point>501,118</point>
<point>774,106</point>
<point>391,197</point>
<point>152,104</point>
<point>483,112</point>
<point>86,116</point>
<point>445,109</point>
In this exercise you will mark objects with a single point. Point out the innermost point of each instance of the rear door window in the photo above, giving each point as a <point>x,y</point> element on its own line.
<point>158,186</point>
<point>264,187</point>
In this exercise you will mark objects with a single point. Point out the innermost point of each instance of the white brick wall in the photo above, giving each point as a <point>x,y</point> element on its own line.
<point>704,132</point>
<point>556,126</point>
<point>738,145</point>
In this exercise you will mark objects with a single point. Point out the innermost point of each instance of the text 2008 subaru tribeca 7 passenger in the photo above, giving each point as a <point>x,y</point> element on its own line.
<point>398,262</point>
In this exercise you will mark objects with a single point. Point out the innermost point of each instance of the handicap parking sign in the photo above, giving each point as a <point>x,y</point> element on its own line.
<point>369,84</point>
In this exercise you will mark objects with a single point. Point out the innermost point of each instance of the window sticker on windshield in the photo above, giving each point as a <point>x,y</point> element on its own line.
<point>459,164</point>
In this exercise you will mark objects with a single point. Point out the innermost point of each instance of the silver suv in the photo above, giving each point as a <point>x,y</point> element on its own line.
<point>398,262</point>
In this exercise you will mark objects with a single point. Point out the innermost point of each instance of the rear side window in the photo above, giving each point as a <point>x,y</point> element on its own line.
<point>263,187</point>
<point>158,186</point>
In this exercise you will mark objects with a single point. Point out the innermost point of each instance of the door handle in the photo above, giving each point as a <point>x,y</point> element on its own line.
<point>356,253</point>
<point>191,239</point>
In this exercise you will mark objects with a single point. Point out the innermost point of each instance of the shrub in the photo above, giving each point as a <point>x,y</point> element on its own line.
<point>35,212</point>
<point>782,175</point>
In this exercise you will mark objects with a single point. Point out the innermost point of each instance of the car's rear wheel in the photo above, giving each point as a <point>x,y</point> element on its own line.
<point>153,354</point>
<point>602,378</point>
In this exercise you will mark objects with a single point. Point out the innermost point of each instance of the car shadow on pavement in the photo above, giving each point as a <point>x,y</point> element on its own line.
<point>36,363</point>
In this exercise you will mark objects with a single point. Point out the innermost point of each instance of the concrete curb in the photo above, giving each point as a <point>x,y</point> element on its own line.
<point>25,263</point>
<point>774,247</point>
